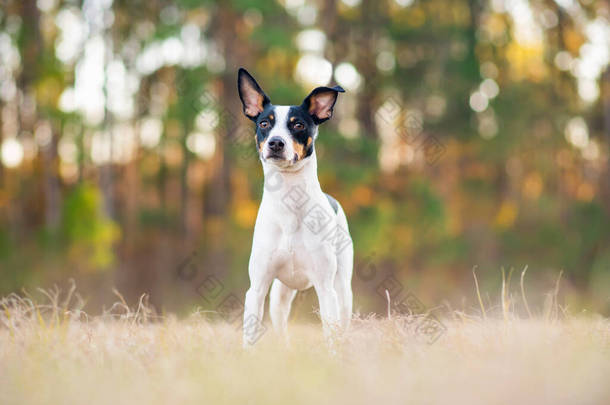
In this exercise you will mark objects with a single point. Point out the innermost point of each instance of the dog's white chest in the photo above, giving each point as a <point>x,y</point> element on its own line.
<point>291,269</point>
<point>293,252</point>
<point>292,259</point>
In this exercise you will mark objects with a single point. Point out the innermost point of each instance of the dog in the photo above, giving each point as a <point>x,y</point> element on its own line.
<point>301,236</point>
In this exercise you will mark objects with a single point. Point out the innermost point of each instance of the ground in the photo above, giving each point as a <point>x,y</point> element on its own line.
<point>51,355</point>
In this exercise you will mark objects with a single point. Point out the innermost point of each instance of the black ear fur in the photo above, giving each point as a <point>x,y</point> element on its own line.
<point>253,98</point>
<point>320,102</point>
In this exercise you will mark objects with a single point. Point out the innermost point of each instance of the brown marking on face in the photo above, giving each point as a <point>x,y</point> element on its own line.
<point>271,117</point>
<point>299,149</point>
<point>292,119</point>
<point>309,141</point>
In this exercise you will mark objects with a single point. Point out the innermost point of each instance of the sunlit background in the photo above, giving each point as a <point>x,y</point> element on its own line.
<point>472,134</point>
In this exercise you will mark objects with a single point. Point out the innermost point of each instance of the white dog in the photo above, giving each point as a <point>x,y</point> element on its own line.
<point>301,238</point>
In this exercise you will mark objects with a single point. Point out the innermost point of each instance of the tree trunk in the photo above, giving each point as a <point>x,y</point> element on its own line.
<point>368,70</point>
<point>328,23</point>
<point>217,193</point>
<point>605,101</point>
<point>1,140</point>
<point>50,162</point>
<point>106,180</point>
<point>52,192</point>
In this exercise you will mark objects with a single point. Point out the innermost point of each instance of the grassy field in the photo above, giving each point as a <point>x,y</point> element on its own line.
<point>50,354</point>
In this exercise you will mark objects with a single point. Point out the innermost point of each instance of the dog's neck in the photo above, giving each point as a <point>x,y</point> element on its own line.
<point>281,180</point>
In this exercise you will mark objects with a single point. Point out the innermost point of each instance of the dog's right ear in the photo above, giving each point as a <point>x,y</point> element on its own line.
<point>253,98</point>
<point>320,102</point>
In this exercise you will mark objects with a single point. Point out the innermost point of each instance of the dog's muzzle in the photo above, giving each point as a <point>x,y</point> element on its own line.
<point>275,147</point>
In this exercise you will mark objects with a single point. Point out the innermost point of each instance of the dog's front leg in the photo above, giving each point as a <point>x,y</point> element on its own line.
<point>325,271</point>
<point>260,280</point>
<point>329,308</point>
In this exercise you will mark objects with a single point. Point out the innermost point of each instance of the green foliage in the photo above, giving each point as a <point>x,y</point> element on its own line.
<point>88,232</point>
<point>271,37</point>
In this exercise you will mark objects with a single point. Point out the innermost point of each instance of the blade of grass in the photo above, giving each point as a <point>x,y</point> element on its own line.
<point>476,283</point>
<point>527,307</point>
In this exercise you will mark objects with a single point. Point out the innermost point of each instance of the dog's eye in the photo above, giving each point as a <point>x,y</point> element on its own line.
<point>298,126</point>
<point>264,124</point>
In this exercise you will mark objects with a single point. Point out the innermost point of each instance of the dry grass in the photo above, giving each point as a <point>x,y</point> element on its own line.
<point>52,353</point>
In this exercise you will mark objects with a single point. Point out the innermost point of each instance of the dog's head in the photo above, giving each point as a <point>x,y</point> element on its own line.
<point>285,135</point>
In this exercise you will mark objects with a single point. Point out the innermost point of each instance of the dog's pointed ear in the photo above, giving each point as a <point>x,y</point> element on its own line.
<point>253,98</point>
<point>320,102</point>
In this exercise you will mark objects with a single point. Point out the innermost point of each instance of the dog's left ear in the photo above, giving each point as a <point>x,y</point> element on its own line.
<point>320,102</point>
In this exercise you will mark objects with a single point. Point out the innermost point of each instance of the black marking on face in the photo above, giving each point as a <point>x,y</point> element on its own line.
<point>302,129</point>
<point>264,124</point>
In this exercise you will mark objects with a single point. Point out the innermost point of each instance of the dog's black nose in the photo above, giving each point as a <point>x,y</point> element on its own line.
<point>276,144</point>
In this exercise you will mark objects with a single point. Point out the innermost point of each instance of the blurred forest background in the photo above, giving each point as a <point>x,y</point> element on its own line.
<point>472,133</point>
